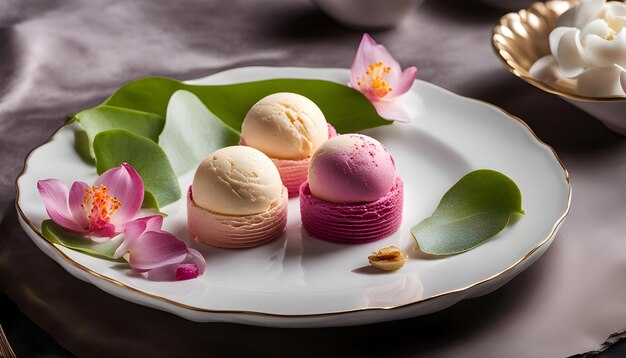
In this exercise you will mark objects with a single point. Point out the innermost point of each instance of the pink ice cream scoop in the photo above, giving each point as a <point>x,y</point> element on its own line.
<point>351,168</point>
<point>353,194</point>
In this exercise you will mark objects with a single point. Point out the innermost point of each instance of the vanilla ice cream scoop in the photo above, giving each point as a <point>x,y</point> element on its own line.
<point>285,126</point>
<point>237,180</point>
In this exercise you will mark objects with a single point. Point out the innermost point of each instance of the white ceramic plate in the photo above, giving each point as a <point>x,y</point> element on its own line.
<point>298,281</point>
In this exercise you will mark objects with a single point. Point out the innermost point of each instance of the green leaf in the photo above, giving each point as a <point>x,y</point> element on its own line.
<point>56,235</point>
<point>149,94</point>
<point>149,201</point>
<point>83,146</point>
<point>104,118</point>
<point>117,146</point>
<point>192,132</point>
<point>473,211</point>
<point>345,108</point>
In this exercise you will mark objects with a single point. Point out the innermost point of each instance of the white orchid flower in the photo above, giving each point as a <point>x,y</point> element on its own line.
<point>589,45</point>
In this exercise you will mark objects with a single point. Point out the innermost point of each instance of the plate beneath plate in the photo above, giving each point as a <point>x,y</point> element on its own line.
<point>298,281</point>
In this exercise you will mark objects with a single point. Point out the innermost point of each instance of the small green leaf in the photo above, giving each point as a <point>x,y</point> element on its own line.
<point>115,147</point>
<point>192,132</point>
<point>104,118</point>
<point>83,146</point>
<point>69,118</point>
<point>56,235</point>
<point>149,201</point>
<point>473,211</point>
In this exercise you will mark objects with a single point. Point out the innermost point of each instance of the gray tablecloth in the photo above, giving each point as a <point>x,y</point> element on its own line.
<point>61,56</point>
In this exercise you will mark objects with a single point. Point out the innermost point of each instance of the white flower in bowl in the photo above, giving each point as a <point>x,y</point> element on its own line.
<point>589,45</point>
<point>584,60</point>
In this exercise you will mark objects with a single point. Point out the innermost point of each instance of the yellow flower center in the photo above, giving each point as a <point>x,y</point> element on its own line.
<point>99,205</point>
<point>374,79</point>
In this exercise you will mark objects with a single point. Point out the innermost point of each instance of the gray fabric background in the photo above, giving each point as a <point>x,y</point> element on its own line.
<point>61,56</point>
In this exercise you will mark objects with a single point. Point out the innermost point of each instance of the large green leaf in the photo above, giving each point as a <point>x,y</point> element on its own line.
<point>117,146</point>
<point>192,132</point>
<point>345,108</point>
<point>56,235</point>
<point>473,211</point>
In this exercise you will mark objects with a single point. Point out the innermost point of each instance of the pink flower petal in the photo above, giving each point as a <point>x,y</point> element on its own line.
<point>154,222</point>
<point>163,273</point>
<point>196,258</point>
<point>362,59</point>
<point>332,132</point>
<point>192,267</point>
<point>54,194</point>
<point>186,272</point>
<point>173,272</point>
<point>134,229</point>
<point>379,53</point>
<point>405,82</point>
<point>156,249</point>
<point>125,184</point>
<point>76,200</point>
<point>391,111</point>
<point>369,53</point>
<point>103,234</point>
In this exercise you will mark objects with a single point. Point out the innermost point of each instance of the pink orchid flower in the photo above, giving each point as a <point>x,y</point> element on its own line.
<point>160,254</point>
<point>377,75</point>
<point>98,211</point>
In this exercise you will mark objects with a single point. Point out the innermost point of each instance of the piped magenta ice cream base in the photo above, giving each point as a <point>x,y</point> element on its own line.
<point>294,172</point>
<point>352,223</point>
<point>236,232</point>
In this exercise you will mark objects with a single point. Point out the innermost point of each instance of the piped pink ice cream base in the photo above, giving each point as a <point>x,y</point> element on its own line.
<point>352,223</point>
<point>292,173</point>
<point>236,232</point>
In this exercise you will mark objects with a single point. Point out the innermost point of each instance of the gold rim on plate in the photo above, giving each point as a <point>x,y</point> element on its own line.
<point>521,38</point>
<point>404,305</point>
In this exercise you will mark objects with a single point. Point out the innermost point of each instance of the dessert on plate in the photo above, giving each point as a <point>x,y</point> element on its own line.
<point>353,194</point>
<point>288,128</point>
<point>237,199</point>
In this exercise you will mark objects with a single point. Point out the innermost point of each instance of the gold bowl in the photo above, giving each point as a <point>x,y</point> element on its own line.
<point>521,38</point>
